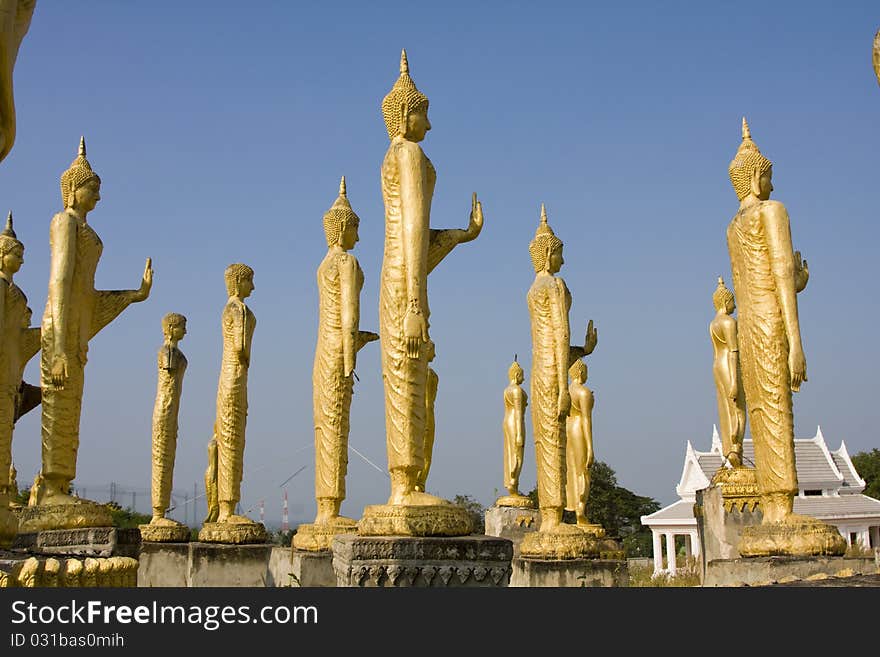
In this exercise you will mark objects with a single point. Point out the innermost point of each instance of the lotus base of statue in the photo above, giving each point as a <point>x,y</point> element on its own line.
<point>517,501</point>
<point>563,541</point>
<point>319,537</point>
<point>76,515</point>
<point>739,488</point>
<point>236,533</point>
<point>169,531</point>
<point>797,535</point>
<point>415,520</point>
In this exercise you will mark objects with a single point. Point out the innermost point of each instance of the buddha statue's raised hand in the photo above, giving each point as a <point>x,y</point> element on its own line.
<point>801,272</point>
<point>475,222</point>
<point>591,338</point>
<point>146,283</point>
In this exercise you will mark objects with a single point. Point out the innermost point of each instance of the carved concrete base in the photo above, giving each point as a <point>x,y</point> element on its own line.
<point>562,542</point>
<point>51,572</point>
<point>312,568</point>
<point>531,572</point>
<point>63,516</point>
<point>436,561</point>
<point>82,542</point>
<point>795,536</point>
<point>429,520</point>
<point>8,525</point>
<point>511,522</point>
<point>164,533</point>
<point>320,537</point>
<point>233,533</point>
<point>518,501</point>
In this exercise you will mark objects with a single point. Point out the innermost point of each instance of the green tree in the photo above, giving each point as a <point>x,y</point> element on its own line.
<point>476,511</point>
<point>617,509</point>
<point>868,466</point>
<point>126,518</point>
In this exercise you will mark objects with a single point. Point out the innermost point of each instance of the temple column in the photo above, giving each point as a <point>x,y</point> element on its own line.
<point>670,553</point>
<point>658,551</point>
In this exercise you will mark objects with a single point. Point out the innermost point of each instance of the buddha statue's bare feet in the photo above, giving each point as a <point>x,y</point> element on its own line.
<point>161,521</point>
<point>237,520</point>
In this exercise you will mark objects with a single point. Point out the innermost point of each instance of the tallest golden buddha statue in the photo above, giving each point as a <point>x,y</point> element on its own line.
<point>767,275</point>
<point>412,250</point>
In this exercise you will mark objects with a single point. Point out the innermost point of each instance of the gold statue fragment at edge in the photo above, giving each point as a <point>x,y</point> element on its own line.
<point>514,427</point>
<point>412,250</point>
<point>171,369</point>
<point>237,326</point>
<point>340,280</point>
<point>549,301</point>
<point>14,321</point>
<point>767,276</point>
<point>75,313</point>
<point>15,20</point>
<point>876,55</point>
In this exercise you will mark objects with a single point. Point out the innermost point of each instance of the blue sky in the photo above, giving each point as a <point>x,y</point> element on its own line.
<point>220,132</point>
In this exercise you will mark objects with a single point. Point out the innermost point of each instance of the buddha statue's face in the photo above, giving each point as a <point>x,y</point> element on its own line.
<point>13,259</point>
<point>177,331</point>
<point>555,260</point>
<point>349,236</point>
<point>87,195</point>
<point>417,125</point>
<point>245,287</point>
<point>517,377</point>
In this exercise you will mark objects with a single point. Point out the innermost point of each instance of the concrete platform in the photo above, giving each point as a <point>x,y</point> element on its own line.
<point>199,564</point>
<point>763,571</point>
<point>532,572</point>
<point>312,568</point>
<point>81,542</point>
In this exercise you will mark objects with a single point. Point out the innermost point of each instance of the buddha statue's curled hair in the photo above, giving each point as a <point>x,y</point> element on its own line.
<point>544,238</point>
<point>578,370</point>
<point>340,214</point>
<point>722,295</point>
<point>79,173</point>
<point>171,320</point>
<point>748,158</point>
<point>235,274</point>
<point>8,240</point>
<point>515,371</point>
<point>403,94</point>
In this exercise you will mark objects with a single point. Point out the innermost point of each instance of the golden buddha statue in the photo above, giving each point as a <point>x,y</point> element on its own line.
<point>514,426</point>
<point>579,454</point>
<point>238,323</point>
<point>75,313</point>
<point>727,375</point>
<point>412,250</point>
<point>431,386</point>
<point>13,308</point>
<point>340,280</point>
<point>549,301</point>
<point>172,367</point>
<point>767,275</point>
<point>15,20</point>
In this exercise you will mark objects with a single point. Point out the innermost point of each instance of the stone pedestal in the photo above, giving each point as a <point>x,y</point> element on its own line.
<point>720,523</point>
<point>198,564</point>
<point>512,523</point>
<point>531,572</point>
<point>760,571</point>
<point>312,568</point>
<point>163,564</point>
<point>424,561</point>
<point>317,538</point>
<point>417,520</point>
<point>82,542</point>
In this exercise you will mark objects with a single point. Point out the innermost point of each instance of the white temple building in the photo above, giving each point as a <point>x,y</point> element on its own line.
<point>829,489</point>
